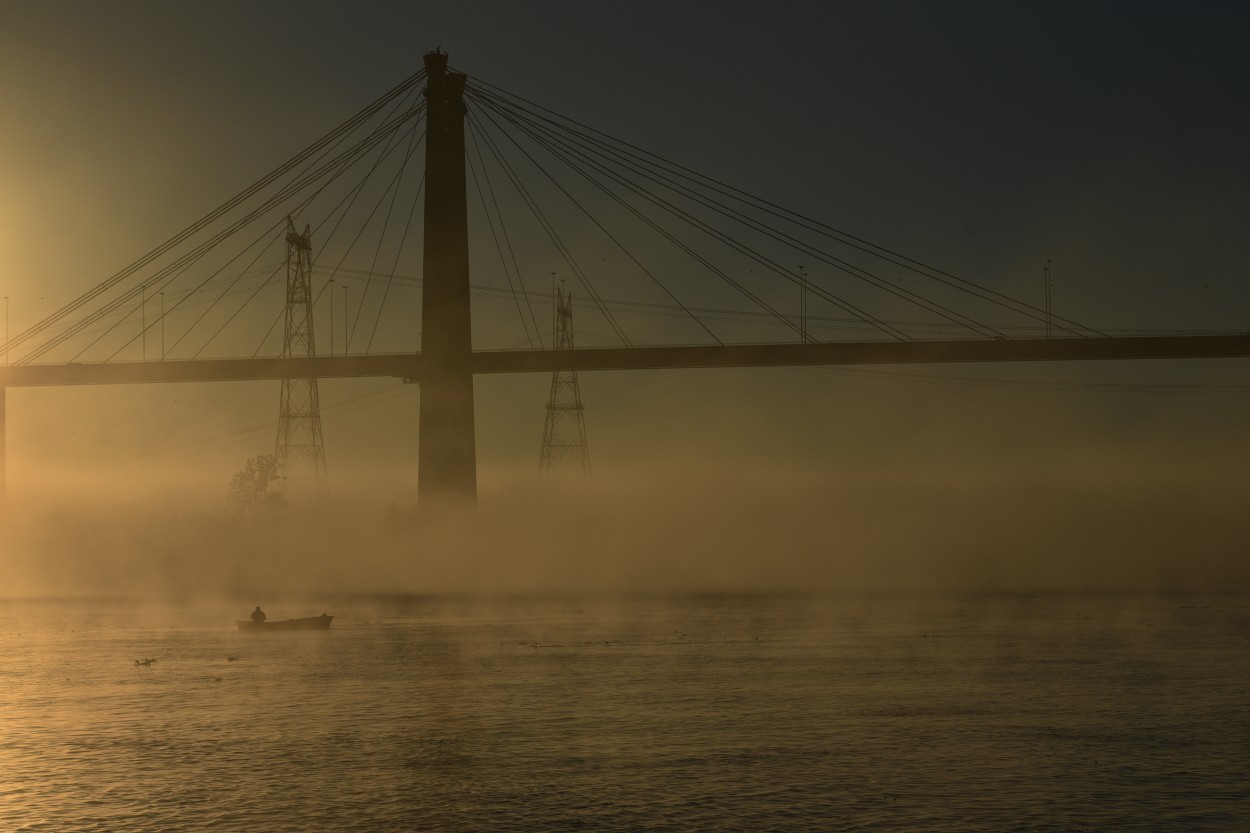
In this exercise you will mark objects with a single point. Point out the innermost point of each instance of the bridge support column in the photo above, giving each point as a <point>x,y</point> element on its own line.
<point>447,458</point>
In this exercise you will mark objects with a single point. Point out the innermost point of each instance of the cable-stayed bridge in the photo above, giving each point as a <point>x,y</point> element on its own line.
<point>671,268</point>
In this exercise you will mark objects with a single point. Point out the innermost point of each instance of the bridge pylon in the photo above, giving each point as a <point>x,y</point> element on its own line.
<point>447,455</point>
<point>299,446</point>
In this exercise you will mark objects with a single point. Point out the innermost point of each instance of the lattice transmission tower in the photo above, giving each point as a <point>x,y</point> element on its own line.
<point>565,455</point>
<point>299,447</point>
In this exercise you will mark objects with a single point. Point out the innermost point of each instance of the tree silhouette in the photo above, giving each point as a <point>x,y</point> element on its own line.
<point>249,488</point>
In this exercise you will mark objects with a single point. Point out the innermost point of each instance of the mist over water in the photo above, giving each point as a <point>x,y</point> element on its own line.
<point>774,480</point>
<point>908,618</point>
<point>784,652</point>
<point>728,647</point>
<point>723,530</point>
<point>711,712</point>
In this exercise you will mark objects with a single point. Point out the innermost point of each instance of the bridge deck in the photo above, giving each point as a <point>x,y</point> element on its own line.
<point>408,365</point>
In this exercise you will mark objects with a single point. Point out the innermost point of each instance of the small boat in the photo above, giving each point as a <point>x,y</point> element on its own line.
<point>310,623</point>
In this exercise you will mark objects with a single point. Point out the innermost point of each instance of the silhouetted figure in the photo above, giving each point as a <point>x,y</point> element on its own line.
<point>258,615</point>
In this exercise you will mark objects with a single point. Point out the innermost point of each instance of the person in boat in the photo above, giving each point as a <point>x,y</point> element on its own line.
<point>258,616</point>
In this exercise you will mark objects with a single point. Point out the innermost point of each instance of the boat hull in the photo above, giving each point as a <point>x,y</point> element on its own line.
<point>311,623</point>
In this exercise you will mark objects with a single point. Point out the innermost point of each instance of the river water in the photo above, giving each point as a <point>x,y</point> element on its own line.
<point>715,713</point>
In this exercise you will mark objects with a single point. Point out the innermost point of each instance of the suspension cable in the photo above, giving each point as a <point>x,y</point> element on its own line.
<point>845,238</point>
<point>490,221</point>
<point>578,149</point>
<point>346,127</point>
<point>555,238</point>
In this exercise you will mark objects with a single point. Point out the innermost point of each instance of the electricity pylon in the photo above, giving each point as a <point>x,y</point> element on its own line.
<point>299,448</point>
<point>565,455</point>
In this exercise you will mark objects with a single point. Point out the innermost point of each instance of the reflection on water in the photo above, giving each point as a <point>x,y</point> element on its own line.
<point>708,713</point>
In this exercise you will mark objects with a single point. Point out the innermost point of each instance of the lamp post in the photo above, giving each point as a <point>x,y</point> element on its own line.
<point>331,316</point>
<point>162,326</point>
<point>1046,272</point>
<point>802,305</point>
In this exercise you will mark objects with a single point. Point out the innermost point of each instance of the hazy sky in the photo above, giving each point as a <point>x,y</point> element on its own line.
<point>983,137</point>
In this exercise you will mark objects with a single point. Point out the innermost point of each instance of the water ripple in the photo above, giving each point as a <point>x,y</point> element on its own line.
<point>681,715</point>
